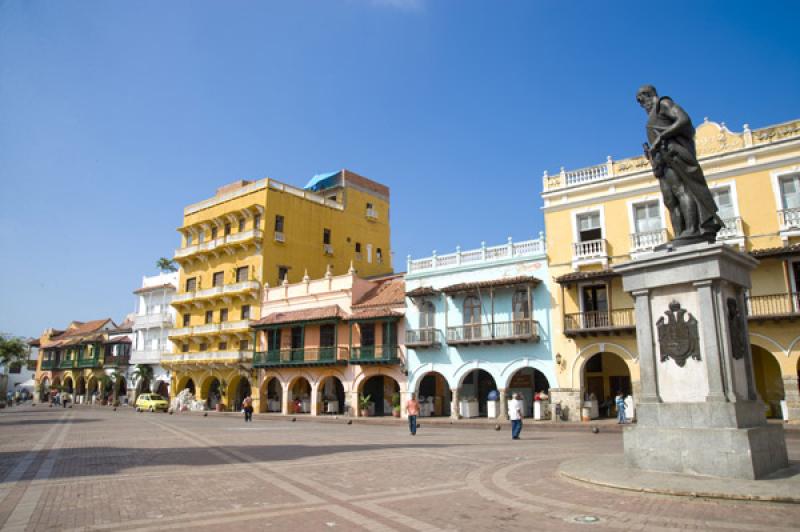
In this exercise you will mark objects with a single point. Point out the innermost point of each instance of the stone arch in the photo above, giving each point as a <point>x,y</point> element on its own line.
<point>69,383</point>
<point>421,371</point>
<point>376,386</point>
<point>330,393</point>
<point>768,378</point>
<point>271,396</point>
<point>185,381</point>
<point>211,390</point>
<point>236,389</point>
<point>92,386</point>
<point>768,344</point>
<point>589,351</point>
<point>467,367</point>
<point>434,394</point>
<point>299,391</point>
<point>543,366</point>
<point>371,371</point>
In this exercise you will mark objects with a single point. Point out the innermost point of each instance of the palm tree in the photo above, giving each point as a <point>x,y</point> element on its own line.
<point>102,383</point>
<point>116,379</point>
<point>13,351</point>
<point>143,374</point>
<point>166,265</point>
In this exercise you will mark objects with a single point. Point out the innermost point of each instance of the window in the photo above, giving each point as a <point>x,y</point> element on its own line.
<point>369,253</point>
<point>15,367</point>
<point>213,233</point>
<point>209,316</point>
<point>646,217</point>
<point>184,348</point>
<point>369,206</point>
<point>389,334</point>
<point>227,229</point>
<point>273,339</point>
<point>222,346</point>
<point>191,284</point>
<point>724,200</point>
<point>520,302</point>
<point>204,347</point>
<point>472,317</point>
<point>256,221</point>
<point>790,192</point>
<point>201,236</point>
<point>218,279</point>
<point>358,250</point>
<point>589,227</point>
<point>279,223</point>
<point>326,236</point>
<point>297,337</point>
<point>244,345</point>
<point>223,315</point>
<point>241,225</point>
<point>245,312</point>
<point>379,256</point>
<point>187,319</point>
<point>241,274</point>
<point>327,335</point>
<point>283,273</point>
<point>427,315</point>
<point>189,239</point>
<point>367,334</point>
<point>595,306</point>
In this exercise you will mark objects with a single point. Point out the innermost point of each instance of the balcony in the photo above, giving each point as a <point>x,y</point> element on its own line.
<point>148,321</point>
<point>210,246</point>
<point>209,292</point>
<point>303,356</point>
<point>206,357</point>
<point>372,214</point>
<point>647,240</point>
<point>49,364</point>
<point>774,307</point>
<point>66,364</point>
<point>280,237</point>
<point>207,328</point>
<point>375,354</point>
<point>152,356</point>
<point>239,325</point>
<point>589,252</point>
<point>92,362</point>
<point>733,230</point>
<point>185,296</point>
<point>117,360</point>
<point>183,331</point>
<point>598,322</point>
<point>494,333</point>
<point>484,254</point>
<point>422,338</point>
<point>244,286</point>
<point>789,222</point>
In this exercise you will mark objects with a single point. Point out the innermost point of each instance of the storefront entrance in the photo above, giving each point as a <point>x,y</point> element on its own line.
<point>434,395</point>
<point>331,396</point>
<point>604,375</point>
<point>300,396</point>
<point>380,389</point>
<point>476,387</point>
<point>528,382</point>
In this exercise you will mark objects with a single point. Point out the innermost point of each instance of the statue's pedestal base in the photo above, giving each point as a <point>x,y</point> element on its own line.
<point>704,439</point>
<point>698,411</point>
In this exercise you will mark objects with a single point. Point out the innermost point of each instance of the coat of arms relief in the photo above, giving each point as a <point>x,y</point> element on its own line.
<point>677,335</point>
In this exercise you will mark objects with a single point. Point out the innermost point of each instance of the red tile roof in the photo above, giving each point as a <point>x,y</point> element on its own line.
<point>389,292</point>
<point>374,312</point>
<point>422,291</point>
<point>294,316</point>
<point>792,249</point>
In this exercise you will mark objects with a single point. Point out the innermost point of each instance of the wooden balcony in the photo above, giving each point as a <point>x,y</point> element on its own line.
<point>49,364</point>
<point>375,354</point>
<point>91,362</point>
<point>596,323</point>
<point>66,364</point>
<point>775,307</point>
<point>116,360</point>
<point>424,338</point>
<point>494,333</point>
<point>303,356</point>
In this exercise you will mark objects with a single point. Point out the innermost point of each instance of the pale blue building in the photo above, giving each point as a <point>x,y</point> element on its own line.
<point>478,321</point>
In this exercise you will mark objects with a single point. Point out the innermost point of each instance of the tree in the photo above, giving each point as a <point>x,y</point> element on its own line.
<point>116,380</point>
<point>13,350</point>
<point>143,375</point>
<point>166,265</point>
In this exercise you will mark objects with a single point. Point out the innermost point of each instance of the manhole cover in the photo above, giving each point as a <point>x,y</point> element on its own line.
<point>586,519</point>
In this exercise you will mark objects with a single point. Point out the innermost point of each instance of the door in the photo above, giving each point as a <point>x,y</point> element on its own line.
<point>595,306</point>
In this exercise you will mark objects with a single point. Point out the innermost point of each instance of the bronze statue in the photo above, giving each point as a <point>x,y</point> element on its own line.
<point>672,154</point>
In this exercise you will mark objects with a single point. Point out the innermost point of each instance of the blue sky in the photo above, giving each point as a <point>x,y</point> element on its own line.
<point>115,115</point>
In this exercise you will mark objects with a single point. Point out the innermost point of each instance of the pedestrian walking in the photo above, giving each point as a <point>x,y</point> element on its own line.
<point>515,409</point>
<point>247,407</point>
<point>620,402</point>
<point>412,407</point>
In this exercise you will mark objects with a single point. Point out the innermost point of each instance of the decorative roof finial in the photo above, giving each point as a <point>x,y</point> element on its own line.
<point>351,270</point>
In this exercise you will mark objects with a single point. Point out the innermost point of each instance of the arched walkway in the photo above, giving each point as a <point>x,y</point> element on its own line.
<point>240,390</point>
<point>380,389</point>
<point>300,396</point>
<point>91,389</point>
<point>121,390</point>
<point>769,381</point>
<point>475,387</point>
<point>163,388</point>
<point>69,386</point>
<point>271,395</point>
<point>527,382</point>
<point>44,390</point>
<point>604,375</point>
<point>434,395</point>
<point>212,392</point>
<point>331,395</point>
<point>186,383</point>
<point>80,389</point>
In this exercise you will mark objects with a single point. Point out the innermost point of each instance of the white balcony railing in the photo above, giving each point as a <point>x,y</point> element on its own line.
<point>279,236</point>
<point>586,175</point>
<point>218,242</point>
<point>206,328</point>
<point>328,249</point>
<point>240,287</point>
<point>236,325</point>
<point>372,214</point>
<point>185,296</point>
<point>209,292</point>
<point>147,321</point>
<point>732,229</point>
<point>591,249</point>
<point>647,240</point>
<point>208,356</point>
<point>145,357</point>
<point>789,219</point>
<point>508,250</point>
<point>181,331</point>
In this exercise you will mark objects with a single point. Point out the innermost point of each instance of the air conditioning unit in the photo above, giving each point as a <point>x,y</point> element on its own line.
<point>328,249</point>
<point>279,237</point>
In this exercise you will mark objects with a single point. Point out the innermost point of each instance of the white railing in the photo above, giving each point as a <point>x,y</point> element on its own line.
<point>186,251</point>
<point>185,296</point>
<point>591,249</point>
<point>145,357</point>
<point>182,331</point>
<point>508,250</point>
<point>732,229</point>
<point>206,328</point>
<point>310,196</point>
<point>145,321</point>
<point>235,325</point>
<point>210,292</point>
<point>789,219</point>
<point>240,287</point>
<point>217,242</point>
<point>241,237</point>
<point>372,213</point>
<point>207,356</point>
<point>586,175</point>
<point>647,240</point>
<point>328,249</point>
<point>279,236</point>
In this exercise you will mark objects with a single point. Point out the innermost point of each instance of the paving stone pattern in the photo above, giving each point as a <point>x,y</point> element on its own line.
<point>95,469</point>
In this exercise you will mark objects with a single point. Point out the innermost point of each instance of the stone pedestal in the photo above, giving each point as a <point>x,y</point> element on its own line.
<point>698,411</point>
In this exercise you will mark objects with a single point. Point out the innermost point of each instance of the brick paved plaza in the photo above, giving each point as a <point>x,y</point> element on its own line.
<point>96,469</point>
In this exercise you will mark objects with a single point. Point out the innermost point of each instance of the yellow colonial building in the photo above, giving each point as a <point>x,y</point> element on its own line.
<point>603,215</point>
<point>249,236</point>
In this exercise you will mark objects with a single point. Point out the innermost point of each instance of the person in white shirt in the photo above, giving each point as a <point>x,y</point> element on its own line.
<point>515,409</point>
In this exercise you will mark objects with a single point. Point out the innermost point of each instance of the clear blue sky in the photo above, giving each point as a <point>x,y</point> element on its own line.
<point>115,115</point>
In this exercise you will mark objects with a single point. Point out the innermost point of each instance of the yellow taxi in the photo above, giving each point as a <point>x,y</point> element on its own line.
<point>151,402</point>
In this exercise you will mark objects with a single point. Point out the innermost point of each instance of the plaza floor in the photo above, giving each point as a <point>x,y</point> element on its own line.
<point>96,469</point>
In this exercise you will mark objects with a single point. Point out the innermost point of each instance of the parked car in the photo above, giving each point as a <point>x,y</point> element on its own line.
<point>151,402</point>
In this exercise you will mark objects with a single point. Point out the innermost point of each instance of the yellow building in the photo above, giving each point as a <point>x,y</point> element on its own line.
<point>603,215</point>
<point>249,236</point>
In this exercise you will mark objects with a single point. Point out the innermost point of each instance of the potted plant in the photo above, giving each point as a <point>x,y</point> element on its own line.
<point>396,404</point>
<point>363,404</point>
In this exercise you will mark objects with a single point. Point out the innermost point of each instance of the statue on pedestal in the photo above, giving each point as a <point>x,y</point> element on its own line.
<point>672,154</point>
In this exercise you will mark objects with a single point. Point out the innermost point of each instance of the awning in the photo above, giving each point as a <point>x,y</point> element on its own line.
<point>321,181</point>
<point>494,283</point>
<point>575,277</point>
<point>783,251</point>
<point>422,291</point>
